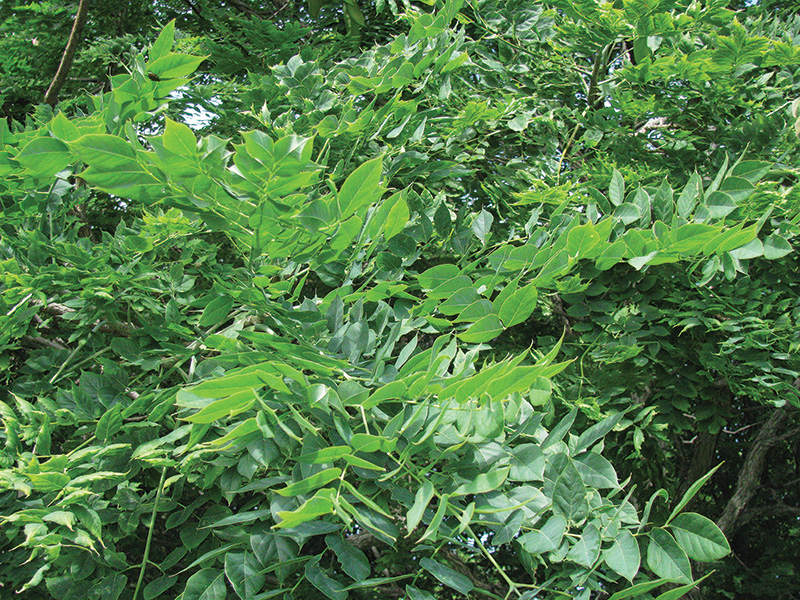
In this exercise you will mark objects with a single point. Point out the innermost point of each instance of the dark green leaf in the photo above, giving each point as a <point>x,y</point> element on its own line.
<point>216,311</point>
<point>207,584</point>
<point>666,558</point>
<point>109,424</point>
<point>354,562</point>
<point>328,586</point>
<point>158,586</point>
<point>447,576</point>
<point>244,574</point>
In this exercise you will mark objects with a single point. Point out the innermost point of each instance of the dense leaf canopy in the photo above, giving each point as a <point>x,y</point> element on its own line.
<point>400,300</point>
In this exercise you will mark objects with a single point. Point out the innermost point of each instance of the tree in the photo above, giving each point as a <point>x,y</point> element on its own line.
<point>300,361</point>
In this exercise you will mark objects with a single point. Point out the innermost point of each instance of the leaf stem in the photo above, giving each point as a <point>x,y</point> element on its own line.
<point>488,555</point>
<point>81,344</point>
<point>150,534</point>
<point>567,148</point>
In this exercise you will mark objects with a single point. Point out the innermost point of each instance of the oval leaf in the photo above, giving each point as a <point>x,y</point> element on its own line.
<point>666,558</point>
<point>311,483</point>
<point>447,576</point>
<point>699,537</point>
<point>623,556</point>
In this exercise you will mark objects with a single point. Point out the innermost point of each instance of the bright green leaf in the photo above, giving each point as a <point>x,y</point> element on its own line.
<point>163,44</point>
<point>699,537</point>
<point>421,500</point>
<point>173,66</point>
<point>623,555</point>
<point>485,482</point>
<point>311,483</point>
<point>484,329</point>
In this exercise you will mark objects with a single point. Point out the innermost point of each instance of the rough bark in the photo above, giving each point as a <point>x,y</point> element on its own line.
<point>51,96</point>
<point>702,460</point>
<point>750,474</point>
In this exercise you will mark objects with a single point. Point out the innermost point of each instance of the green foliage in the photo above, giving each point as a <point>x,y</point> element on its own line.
<point>280,373</point>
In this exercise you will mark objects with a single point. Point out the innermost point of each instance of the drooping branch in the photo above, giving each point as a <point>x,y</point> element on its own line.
<point>51,96</point>
<point>749,478</point>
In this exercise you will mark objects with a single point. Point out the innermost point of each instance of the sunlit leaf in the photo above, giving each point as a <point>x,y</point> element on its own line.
<point>699,537</point>
<point>311,483</point>
<point>623,555</point>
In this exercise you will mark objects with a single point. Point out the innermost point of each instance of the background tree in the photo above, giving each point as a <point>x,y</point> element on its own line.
<point>297,361</point>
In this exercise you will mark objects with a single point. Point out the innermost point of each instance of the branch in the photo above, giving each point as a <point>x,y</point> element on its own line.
<point>41,342</point>
<point>194,9</point>
<point>773,510</point>
<point>599,68</point>
<point>51,96</point>
<point>280,9</point>
<point>58,310</point>
<point>750,474</point>
<point>243,7</point>
<point>461,567</point>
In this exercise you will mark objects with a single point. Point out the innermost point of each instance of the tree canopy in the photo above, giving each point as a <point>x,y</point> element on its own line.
<point>400,300</point>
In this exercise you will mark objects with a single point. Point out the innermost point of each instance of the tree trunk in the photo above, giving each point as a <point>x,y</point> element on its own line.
<point>51,96</point>
<point>702,460</point>
<point>750,474</point>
